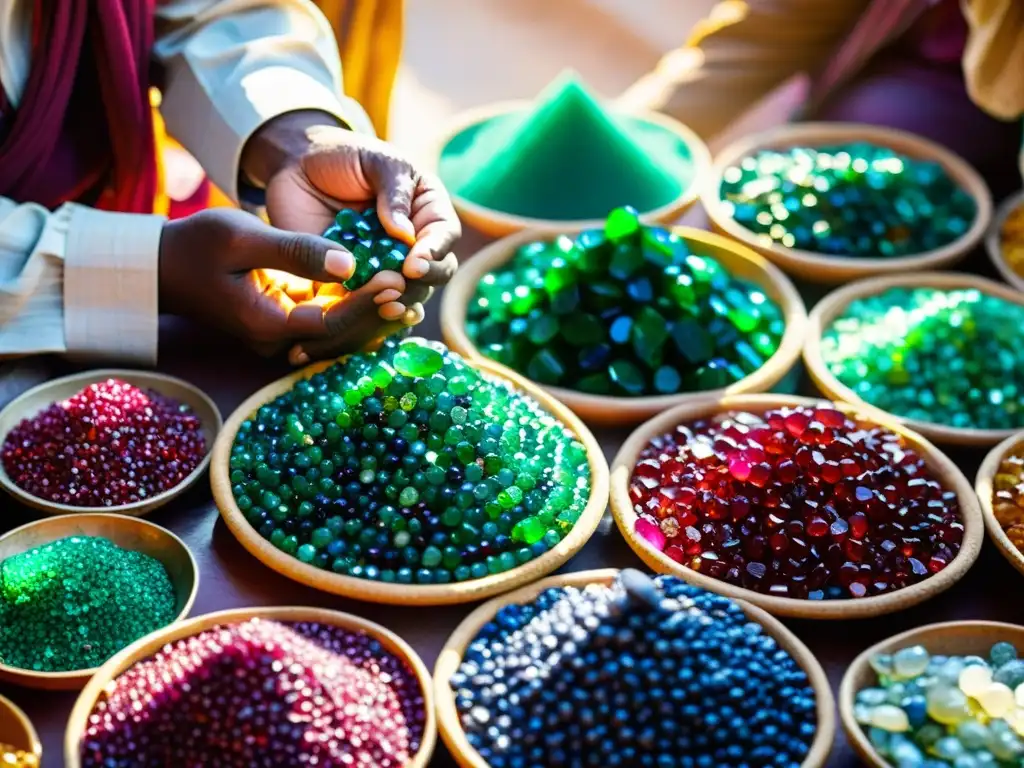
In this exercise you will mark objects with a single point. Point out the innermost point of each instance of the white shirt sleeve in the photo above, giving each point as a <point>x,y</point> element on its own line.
<point>232,65</point>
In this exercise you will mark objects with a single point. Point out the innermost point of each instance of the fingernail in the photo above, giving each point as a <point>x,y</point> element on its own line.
<point>415,268</point>
<point>340,264</point>
<point>297,357</point>
<point>405,227</point>
<point>387,296</point>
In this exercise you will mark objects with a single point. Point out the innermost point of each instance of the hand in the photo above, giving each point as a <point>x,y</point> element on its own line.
<point>312,167</point>
<point>213,268</point>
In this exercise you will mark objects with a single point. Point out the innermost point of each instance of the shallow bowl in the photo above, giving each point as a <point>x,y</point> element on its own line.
<point>822,268</point>
<point>151,644</point>
<point>408,594</point>
<point>835,303</point>
<point>951,638</point>
<point>739,260</point>
<point>16,729</point>
<point>130,533</point>
<point>39,398</point>
<point>495,223</point>
<point>941,466</point>
<point>994,240</point>
<point>451,657</point>
<point>983,486</point>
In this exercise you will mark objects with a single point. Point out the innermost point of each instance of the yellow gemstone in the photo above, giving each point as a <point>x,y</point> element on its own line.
<point>997,699</point>
<point>975,679</point>
<point>1016,720</point>
<point>890,718</point>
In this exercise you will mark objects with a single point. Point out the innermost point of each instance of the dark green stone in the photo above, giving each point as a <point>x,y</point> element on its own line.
<point>650,331</point>
<point>545,368</point>
<point>583,330</point>
<point>627,376</point>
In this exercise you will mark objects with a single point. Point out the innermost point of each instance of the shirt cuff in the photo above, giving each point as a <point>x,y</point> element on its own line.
<point>242,109</point>
<point>111,285</point>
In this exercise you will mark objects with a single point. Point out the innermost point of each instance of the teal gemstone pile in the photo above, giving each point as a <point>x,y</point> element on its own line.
<point>408,465</point>
<point>369,243</point>
<point>627,311</point>
<point>951,357</point>
<point>847,200</point>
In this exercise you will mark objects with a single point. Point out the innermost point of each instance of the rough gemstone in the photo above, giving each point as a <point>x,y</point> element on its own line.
<point>369,243</point>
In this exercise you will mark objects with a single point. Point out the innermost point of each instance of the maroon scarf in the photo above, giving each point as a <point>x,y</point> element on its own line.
<point>84,123</point>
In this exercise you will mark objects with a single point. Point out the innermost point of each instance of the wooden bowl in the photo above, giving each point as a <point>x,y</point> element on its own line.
<point>822,268</point>
<point>608,410</point>
<point>983,486</point>
<point>153,643</point>
<point>835,303</point>
<point>941,466</point>
<point>130,533</point>
<point>994,240</point>
<point>408,594</point>
<point>451,657</point>
<point>495,223</point>
<point>39,398</point>
<point>16,729</point>
<point>951,638</point>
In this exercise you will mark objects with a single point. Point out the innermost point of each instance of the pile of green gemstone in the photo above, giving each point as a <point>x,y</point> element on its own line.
<point>847,200</point>
<point>936,711</point>
<point>627,311</point>
<point>73,603</point>
<point>951,357</point>
<point>409,465</point>
<point>369,243</point>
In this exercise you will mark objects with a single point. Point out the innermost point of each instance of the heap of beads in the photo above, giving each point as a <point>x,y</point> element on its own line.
<point>950,357</point>
<point>108,445</point>
<point>937,711</point>
<point>409,465</point>
<point>73,603</point>
<point>260,693</point>
<point>628,311</point>
<point>1008,496</point>
<point>802,503</point>
<point>642,673</point>
<point>12,757</point>
<point>847,200</point>
<point>1011,239</point>
<point>369,243</point>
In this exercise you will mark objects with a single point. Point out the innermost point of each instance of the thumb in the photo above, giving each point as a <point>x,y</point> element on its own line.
<point>315,258</point>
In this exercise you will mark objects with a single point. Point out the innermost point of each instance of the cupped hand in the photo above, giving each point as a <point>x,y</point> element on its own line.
<point>216,267</point>
<point>321,168</point>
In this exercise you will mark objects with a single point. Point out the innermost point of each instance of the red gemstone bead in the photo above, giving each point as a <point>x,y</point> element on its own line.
<point>800,503</point>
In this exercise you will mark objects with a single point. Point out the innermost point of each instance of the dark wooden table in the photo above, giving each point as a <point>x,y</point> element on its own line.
<point>231,578</point>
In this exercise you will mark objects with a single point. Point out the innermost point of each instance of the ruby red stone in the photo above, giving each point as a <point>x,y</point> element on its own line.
<point>798,503</point>
<point>108,445</point>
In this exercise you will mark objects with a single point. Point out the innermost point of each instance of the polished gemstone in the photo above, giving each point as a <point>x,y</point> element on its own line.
<point>369,243</point>
<point>631,293</point>
<point>858,200</point>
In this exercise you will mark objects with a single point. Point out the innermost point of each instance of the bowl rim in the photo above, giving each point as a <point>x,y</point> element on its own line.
<point>409,594</point>
<point>454,648</point>
<point>74,678</point>
<point>34,745</point>
<point>150,644</point>
<point>834,303</point>
<point>494,221</point>
<point>610,409</point>
<point>983,487</point>
<point>994,239</point>
<point>825,268</point>
<point>140,378</point>
<point>876,605</point>
<point>847,691</point>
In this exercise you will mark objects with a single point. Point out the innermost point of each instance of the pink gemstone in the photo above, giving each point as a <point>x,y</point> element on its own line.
<point>651,533</point>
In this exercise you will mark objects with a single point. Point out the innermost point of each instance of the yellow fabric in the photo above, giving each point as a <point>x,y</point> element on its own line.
<point>370,34</point>
<point>994,56</point>
<point>745,48</point>
<point>162,203</point>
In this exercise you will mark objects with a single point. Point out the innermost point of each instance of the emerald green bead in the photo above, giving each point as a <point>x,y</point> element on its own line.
<point>444,455</point>
<point>950,357</point>
<point>564,312</point>
<point>855,200</point>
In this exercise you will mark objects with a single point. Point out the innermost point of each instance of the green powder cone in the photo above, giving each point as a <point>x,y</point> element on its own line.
<point>567,159</point>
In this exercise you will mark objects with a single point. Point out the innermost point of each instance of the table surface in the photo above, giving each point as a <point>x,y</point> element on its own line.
<point>230,577</point>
